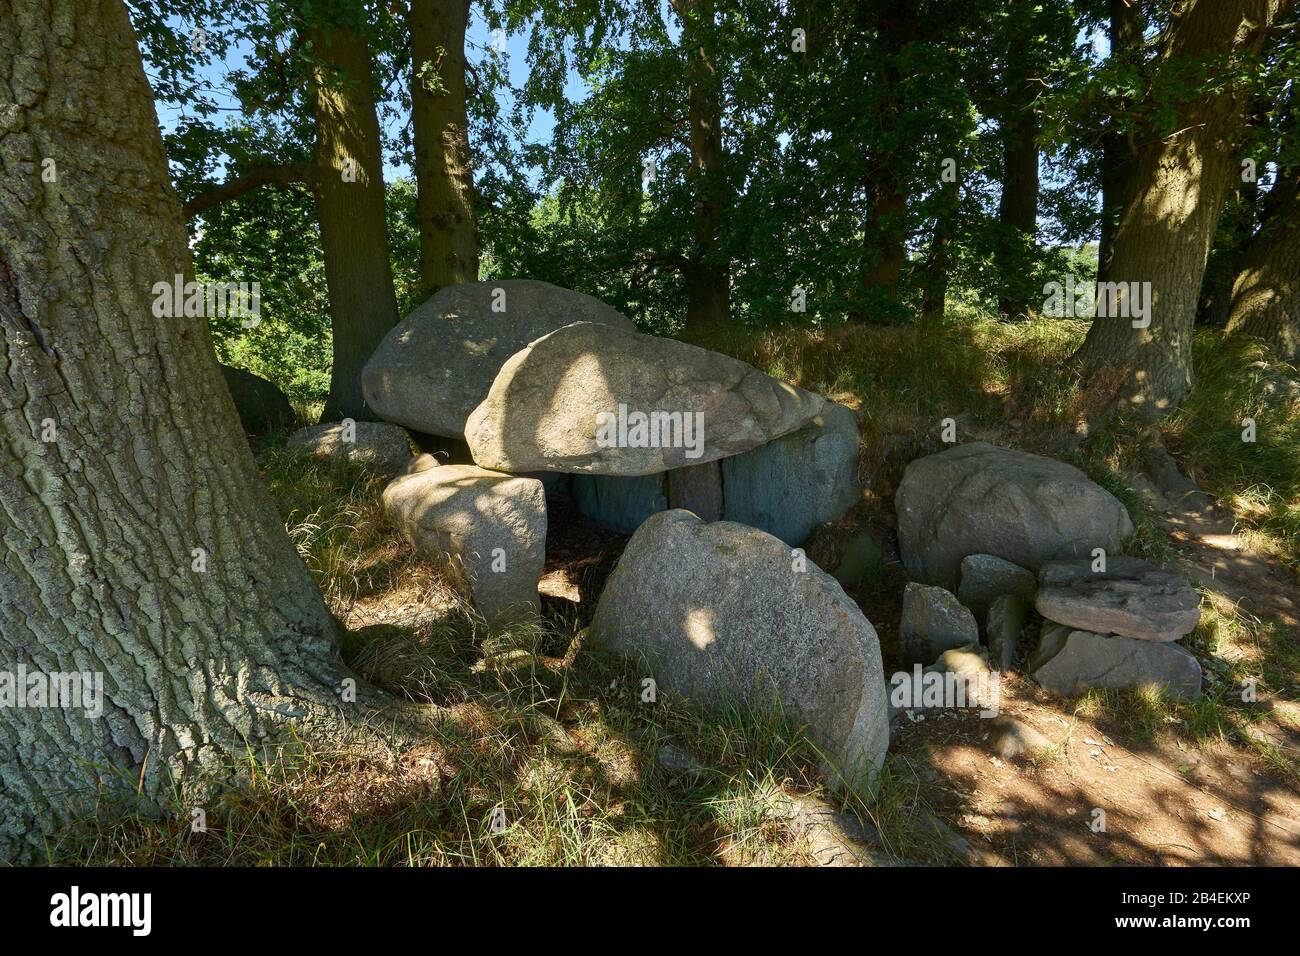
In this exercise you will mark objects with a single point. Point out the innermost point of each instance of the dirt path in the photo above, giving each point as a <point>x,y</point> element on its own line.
<point>1164,804</point>
<point>1167,802</point>
<point>1212,552</point>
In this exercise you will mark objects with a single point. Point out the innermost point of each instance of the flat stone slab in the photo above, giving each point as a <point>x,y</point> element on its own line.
<point>720,614</point>
<point>620,504</point>
<point>1132,598</point>
<point>697,489</point>
<point>979,498</point>
<point>381,447</point>
<point>1069,661</point>
<point>933,621</point>
<point>493,525</point>
<point>436,365</point>
<point>796,482</point>
<point>597,400</point>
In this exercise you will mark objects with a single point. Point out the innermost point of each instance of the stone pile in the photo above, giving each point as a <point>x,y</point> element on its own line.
<point>548,392</point>
<point>533,381</point>
<point>1009,531</point>
<point>719,472</point>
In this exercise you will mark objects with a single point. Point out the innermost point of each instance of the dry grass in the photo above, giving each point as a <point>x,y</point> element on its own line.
<point>553,757</point>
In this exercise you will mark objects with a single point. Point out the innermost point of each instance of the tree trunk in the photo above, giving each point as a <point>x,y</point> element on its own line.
<point>349,186</point>
<point>708,273</point>
<point>448,233</point>
<point>1126,26</point>
<point>1266,294</point>
<point>120,455</point>
<point>1164,235</point>
<point>1017,210</point>
<point>1018,202</point>
<point>934,293</point>
<point>884,233</point>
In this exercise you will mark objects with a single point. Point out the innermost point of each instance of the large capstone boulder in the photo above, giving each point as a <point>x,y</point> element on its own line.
<point>933,621</point>
<point>262,407</point>
<point>1132,598</point>
<point>592,399</point>
<point>722,614</point>
<point>982,499</point>
<point>378,446</point>
<point>798,481</point>
<point>438,363</point>
<point>493,526</point>
<point>1068,661</point>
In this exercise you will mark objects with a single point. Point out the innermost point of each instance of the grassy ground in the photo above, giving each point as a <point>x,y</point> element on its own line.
<point>554,757</point>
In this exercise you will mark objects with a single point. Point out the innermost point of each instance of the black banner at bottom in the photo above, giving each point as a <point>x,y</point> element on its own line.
<point>336,906</point>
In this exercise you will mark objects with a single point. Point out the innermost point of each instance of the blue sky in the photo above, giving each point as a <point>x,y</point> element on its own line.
<point>478,47</point>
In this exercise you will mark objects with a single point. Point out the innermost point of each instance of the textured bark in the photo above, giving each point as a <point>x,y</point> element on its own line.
<point>443,177</point>
<point>1266,294</point>
<point>1165,232</point>
<point>353,227</point>
<point>1126,26</point>
<point>147,460</point>
<point>708,273</point>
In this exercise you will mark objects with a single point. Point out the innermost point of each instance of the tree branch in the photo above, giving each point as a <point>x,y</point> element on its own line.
<point>257,176</point>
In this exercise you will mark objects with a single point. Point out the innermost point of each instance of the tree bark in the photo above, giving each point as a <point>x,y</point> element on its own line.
<point>443,176</point>
<point>121,453</point>
<point>1266,293</point>
<point>349,186</point>
<point>1164,235</point>
<point>708,274</point>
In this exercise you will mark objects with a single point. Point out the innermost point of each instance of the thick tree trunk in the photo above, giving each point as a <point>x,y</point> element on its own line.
<point>1164,235</point>
<point>1266,294</point>
<point>1018,202</point>
<point>1126,26</point>
<point>1017,208</point>
<point>121,456</point>
<point>708,273</point>
<point>349,186</point>
<point>448,233</point>
<point>884,232</point>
